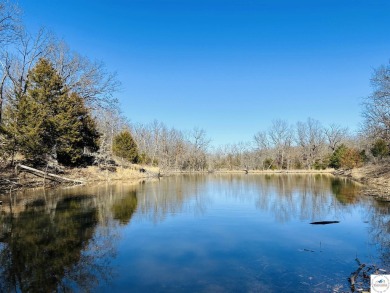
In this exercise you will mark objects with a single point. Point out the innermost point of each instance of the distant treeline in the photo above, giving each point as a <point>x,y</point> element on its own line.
<point>57,106</point>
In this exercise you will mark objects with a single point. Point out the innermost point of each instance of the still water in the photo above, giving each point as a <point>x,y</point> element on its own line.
<point>192,233</point>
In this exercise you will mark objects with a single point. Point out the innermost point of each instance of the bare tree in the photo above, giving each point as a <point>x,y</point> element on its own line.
<point>199,145</point>
<point>376,111</point>
<point>335,135</point>
<point>9,22</point>
<point>16,65</point>
<point>10,28</point>
<point>110,122</point>
<point>261,140</point>
<point>281,136</point>
<point>160,145</point>
<point>264,150</point>
<point>89,79</point>
<point>310,137</point>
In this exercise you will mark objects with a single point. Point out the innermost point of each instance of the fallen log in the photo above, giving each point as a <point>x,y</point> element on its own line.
<point>8,181</point>
<point>324,222</point>
<point>49,176</point>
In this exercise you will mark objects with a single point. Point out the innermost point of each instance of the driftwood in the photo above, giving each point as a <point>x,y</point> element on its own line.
<point>325,222</point>
<point>8,181</point>
<point>49,176</point>
<point>354,276</point>
<point>362,279</point>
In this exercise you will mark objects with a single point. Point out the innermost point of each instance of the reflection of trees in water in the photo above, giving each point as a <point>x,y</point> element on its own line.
<point>345,190</point>
<point>44,252</point>
<point>292,196</point>
<point>305,197</point>
<point>60,242</point>
<point>124,207</point>
<point>172,195</point>
<point>379,228</point>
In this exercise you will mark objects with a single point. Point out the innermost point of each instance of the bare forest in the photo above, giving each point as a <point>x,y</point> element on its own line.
<point>58,107</point>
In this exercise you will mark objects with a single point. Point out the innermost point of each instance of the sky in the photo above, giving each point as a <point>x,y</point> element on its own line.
<point>229,66</point>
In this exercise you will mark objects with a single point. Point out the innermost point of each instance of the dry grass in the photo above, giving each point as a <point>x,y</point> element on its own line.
<point>372,174</point>
<point>94,173</point>
<point>376,177</point>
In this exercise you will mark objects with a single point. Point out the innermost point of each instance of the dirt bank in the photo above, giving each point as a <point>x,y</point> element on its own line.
<point>10,180</point>
<point>375,177</point>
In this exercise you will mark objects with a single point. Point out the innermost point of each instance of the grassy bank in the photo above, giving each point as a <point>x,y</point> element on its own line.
<point>375,177</point>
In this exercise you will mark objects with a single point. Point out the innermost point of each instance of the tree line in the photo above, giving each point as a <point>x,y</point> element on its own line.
<point>59,106</point>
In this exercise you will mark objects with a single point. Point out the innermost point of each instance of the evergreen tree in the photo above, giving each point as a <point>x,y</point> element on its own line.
<point>346,158</point>
<point>380,149</point>
<point>75,129</point>
<point>36,110</point>
<point>125,147</point>
<point>49,120</point>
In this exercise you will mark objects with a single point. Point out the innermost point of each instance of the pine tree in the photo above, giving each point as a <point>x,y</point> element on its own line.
<point>125,147</point>
<point>75,129</point>
<point>49,121</point>
<point>36,132</point>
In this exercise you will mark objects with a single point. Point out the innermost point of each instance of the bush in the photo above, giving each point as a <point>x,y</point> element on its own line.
<point>345,157</point>
<point>125,147</point>
<point>380,149</point>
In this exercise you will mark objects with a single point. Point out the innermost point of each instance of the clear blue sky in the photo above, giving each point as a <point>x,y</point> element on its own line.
<point>229,67</point>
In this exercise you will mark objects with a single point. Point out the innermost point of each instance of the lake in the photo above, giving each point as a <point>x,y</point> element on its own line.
<point>193,233</point>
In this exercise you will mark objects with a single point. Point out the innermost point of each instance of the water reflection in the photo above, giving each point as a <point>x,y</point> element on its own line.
<point>378,217</point>
<point>124,208</point>
<point>288,197</point>
<point>173,195</point>
<point>211,225</point>
<point>40,249</point>
<point>61,240</point>
<point>345,190</point>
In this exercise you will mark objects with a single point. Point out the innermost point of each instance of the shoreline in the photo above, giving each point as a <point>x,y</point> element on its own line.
<point>375,178</point>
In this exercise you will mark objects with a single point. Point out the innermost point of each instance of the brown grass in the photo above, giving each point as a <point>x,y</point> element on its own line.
<point>94,173</point>
<point>376,177</point>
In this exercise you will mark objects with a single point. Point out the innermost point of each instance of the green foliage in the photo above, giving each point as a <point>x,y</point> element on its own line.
<point>351,159</point>
<point>41,251</point>
<point>345,157</point>
<point>269,164</point>
<point>334,161</point>
<point>75,130</point>
<point>145,159</point>
<point>34,128</point>
<point>320,164</point>
<point>380,149</point>
<point>125,147</point>
<point>49,120</point>
<point>364,157</point>
<point>345,192</point>
<point>124,209</point>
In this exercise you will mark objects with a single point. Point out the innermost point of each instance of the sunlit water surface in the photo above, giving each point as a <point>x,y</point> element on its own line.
<point>193,233</point>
